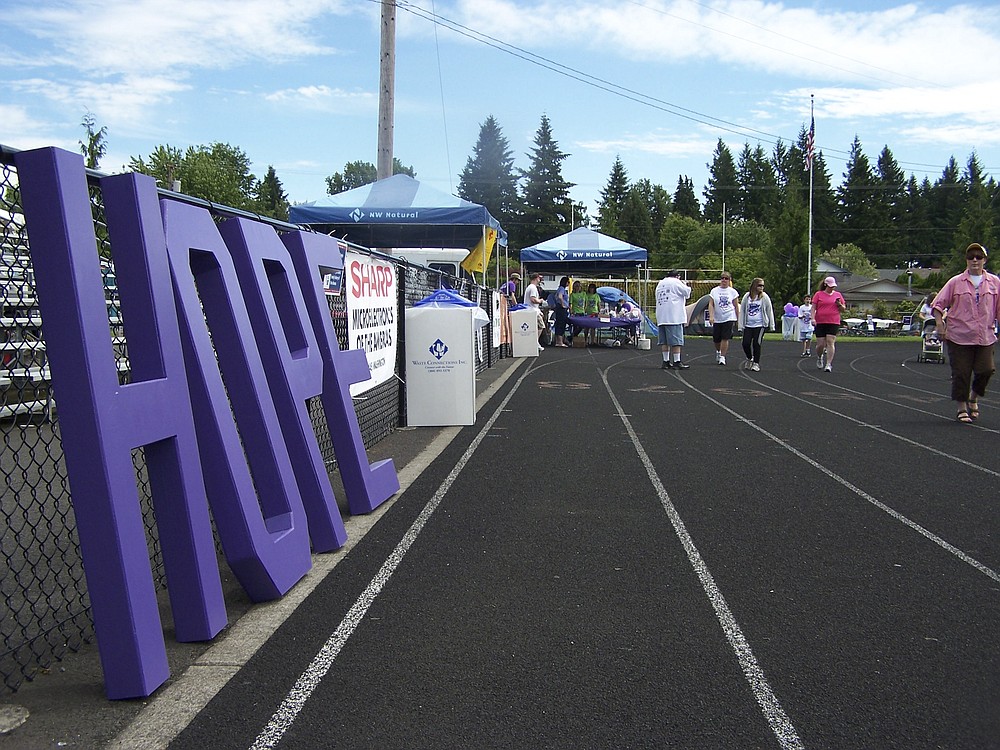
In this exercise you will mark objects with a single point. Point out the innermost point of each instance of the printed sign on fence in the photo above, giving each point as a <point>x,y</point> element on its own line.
<point>371,315</point>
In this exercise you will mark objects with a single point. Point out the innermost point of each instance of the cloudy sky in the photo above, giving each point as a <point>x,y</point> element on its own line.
<point>294,83</point>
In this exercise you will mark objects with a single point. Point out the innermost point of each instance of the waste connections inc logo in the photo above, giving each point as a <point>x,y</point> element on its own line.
<point>357,214</point>
<point>524,327</point>
<point>438,349</point>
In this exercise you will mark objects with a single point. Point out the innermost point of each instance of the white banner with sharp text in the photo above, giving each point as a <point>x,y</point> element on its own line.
<point>370,286</point>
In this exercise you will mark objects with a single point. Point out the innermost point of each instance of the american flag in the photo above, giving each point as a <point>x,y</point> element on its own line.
<point>810,143</point>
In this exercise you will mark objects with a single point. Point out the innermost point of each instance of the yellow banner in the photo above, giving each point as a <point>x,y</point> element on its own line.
<point>479,257</point>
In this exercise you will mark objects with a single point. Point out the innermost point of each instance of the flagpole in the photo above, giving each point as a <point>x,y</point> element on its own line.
<point>810,156</point>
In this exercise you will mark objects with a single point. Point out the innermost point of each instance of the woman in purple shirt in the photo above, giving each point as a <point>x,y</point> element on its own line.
<point>972,302</point>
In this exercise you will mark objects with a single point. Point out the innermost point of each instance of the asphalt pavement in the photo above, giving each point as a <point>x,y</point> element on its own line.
<point>621,556</point>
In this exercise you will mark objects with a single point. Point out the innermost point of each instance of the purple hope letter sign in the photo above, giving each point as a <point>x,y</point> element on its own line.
<point>366,486</point>
<point>102,421</point>
<point>260,518</point>
<point>295,371</point>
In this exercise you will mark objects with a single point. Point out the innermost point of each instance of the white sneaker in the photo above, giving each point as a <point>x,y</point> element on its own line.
<point>722,360</point>
<point>821,361</point>
<point>755,367</point>
<point>828,368</point>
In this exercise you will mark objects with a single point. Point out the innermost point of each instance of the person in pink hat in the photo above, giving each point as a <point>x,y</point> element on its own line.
<point>827,304</point>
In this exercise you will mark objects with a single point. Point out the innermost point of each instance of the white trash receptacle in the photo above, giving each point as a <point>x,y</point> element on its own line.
<point>524,332</point>
<point>440,366</point>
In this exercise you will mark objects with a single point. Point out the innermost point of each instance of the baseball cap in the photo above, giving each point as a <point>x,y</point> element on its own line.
<point>830,281</point>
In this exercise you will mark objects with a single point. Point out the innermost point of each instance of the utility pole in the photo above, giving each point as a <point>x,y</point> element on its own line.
<point>387,87</point>
<point>723,236</point>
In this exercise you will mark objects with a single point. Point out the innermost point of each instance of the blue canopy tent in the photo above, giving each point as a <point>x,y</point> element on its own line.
<point>586,251</point>
<point>583,251</point>
<point>399,211</point>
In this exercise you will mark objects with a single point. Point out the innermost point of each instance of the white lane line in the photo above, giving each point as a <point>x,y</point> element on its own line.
<point>776,717</point>
<point>969,560</point>
<point>863,394</point>
<point>309,680</point>
<point>875,427</point>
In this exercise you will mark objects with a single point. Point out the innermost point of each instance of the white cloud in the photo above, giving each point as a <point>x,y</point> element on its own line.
<point>906,43</point>
<point>126,101</point>
<point>325,98</point>
<point>651,143</point>
<point>150,36</point>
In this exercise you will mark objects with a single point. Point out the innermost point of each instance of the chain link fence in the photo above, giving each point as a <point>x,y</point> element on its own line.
<point>47,610</point>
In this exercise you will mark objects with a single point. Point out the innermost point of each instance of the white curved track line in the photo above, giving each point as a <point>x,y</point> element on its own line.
<point>862,394</point>
<point>947,546</point>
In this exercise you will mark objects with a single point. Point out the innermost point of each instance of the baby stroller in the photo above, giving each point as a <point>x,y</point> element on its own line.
<point>931,347</point>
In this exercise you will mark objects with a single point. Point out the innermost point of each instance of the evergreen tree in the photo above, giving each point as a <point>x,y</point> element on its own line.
<point>855,201</point>
<point>723,184</point>
<point>889,206</point>
<point>613,199</point>
<point>271,198</point>
<point>685,200</point>
<point>658,201</point>
<point>786,257</point>
<point>488,178</point>
<point>918,245</point>
<point>636,222</point>
<point>758,186</point>
<point>824,199</point>
<point>945,205</point>
<point>977,224</point>
<point>545,202</point>
<point>96,145</point>
<point>360,173</point>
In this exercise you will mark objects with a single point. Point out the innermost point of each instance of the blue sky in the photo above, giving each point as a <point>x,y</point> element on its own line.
<point>656,82</point>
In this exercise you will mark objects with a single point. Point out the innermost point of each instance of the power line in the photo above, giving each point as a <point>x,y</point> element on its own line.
<point>626,93</point>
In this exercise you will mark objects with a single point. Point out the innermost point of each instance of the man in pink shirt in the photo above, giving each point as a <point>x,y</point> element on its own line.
<point>972,301</point>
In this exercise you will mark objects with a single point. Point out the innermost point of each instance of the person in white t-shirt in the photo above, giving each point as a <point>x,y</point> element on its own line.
<point>672,295</point>
<point>533,299</point>
<point>723,309</point>
<point>756,316</point>
<point>806,327</point>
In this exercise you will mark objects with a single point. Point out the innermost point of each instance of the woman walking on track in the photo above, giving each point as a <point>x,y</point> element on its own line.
<point>756,316</point>
<point>972,301</point>
<point>827,304</point>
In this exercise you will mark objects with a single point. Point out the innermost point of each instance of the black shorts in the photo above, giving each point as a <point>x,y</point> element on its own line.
<point>722,331</point>
<point>827,329</point>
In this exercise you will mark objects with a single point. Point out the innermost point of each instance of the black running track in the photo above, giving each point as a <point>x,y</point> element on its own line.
<point>618,556</point>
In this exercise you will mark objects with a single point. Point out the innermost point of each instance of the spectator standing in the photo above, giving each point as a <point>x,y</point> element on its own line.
<point>508,290</point>
<point>827,304</point>
<point>806,327</point>
<point>756,317</point>
<point>593,310</point>
<point>972,303</point>
<point>562,311</point>
<point>577,305</point>
<point>533,299</point>
<point>723,310</point>
<point>672,295</point>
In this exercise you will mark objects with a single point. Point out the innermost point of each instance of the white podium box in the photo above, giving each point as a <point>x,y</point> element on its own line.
<point>440,366</point>
<point>524,332</point>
